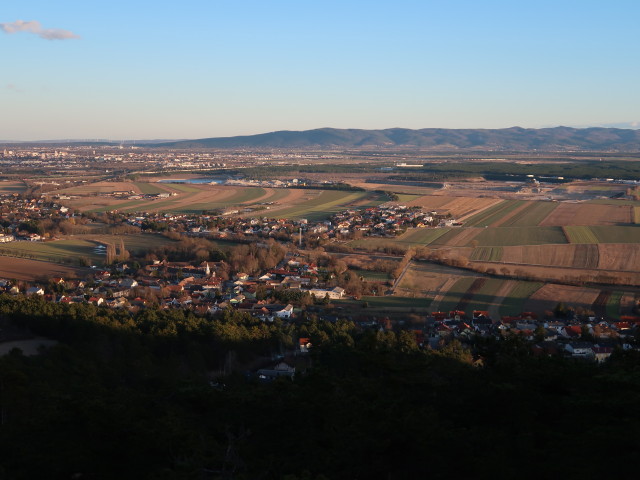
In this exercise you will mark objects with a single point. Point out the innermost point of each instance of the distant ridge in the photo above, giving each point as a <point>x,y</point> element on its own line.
<point>515,138</point>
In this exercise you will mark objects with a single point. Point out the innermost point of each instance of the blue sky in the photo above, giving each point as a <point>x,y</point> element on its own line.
<point>193,69</point>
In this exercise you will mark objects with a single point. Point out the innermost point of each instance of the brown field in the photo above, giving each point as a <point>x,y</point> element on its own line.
<point>549,273</point>
<point>198,196</point>
<point>624,256</point>
<point>100,187</point>
<point>457,206</point>
<point>586,256</point>
<point>550,295</point>
<point>589,214</point>
<point>12,186</point>
<point>35,270</point>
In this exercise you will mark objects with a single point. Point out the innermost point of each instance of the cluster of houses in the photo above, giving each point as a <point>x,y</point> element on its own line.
<point>388,220</point>
<point>16,212</point>
<point>589,339</point>
<point>180,285</point>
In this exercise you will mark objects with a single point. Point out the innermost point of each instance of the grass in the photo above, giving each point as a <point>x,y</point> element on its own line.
<point>422,236</point>
<point>487,254</point>
<point>513,303</point>
<point>183,187</point>
<point>70,250</point>
<point>615,201</point>
<point>455,293</point>
<point>448,237</point>
<point>149,188</point>
<point>617,233</point>
<point>245,195</point>
<point>9,186</point>
<point>483,299</point>
<point>383,302</point>
<point>512,236</point>
<point>580,234</point>
<point>603,234</point>
<point>62,251</point>
<point>327,203</point>
<point>490,215</point>
<point>613,305</point>
<point>371,276</point>
<point>532,215</point>
<point>407,197</point>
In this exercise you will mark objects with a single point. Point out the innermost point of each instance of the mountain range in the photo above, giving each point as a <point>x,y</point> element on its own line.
<point>512,139</point>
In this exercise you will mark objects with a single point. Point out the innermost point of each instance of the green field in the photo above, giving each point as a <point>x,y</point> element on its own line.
<point>407,197</point>
<point>183,187</point>
<point>245,195</point>
<point>493,214</point>
<point>328,202</point>
<point>62,251</point>
<point>532,215</point>
<point>580,234</point>
<point>80,246</point>
<point>447,237</point>
<point>484,298</point>
<point>371,276</point>
<point>150,188</point>
<point>603,234</point>
<point>383,302</point>
<point>613,305</point>
<point>11,186</point>
<point>455,293</point>
<point>487,254</point>
<point>615,201</point>
<point>513,303</point>
<point>511,236</point>
<point>422,236</point>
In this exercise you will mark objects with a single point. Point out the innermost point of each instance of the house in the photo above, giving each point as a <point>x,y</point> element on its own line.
<point>34,291</point>
<point>280,370</point>
<point>602,353</point>
<point>286,312</point>
<point>304,344</point>
<point>580,349</point>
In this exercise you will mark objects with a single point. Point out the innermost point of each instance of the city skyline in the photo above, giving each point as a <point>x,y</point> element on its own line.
<point>212,69</point>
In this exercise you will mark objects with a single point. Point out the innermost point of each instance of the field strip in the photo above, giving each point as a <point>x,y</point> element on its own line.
<point>479,211</point>
<point>440,294</point>
<point>502,293</point>
<point>542,265</point>
<point>506,219</point>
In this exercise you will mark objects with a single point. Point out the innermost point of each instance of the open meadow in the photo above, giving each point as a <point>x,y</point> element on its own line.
<point>80,248</point>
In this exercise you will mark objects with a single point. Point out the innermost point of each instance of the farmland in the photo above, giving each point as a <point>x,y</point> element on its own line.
<point>69,251</point>
<point>28,269</point>
<point>568,214</point>
<point>505,236</point>
<point>514,303</point>
<point>11,186</point>
<point>602,234</point>
<point>196,198</point>
<point>318,204</point>
<point>457,206</point>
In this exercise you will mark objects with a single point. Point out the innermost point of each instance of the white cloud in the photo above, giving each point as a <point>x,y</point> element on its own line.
<point>35,27</point>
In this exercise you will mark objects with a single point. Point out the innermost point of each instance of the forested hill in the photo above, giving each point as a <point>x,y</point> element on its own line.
<point>515,138</point>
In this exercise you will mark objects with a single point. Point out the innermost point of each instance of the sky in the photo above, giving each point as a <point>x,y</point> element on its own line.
<point>141,69</point>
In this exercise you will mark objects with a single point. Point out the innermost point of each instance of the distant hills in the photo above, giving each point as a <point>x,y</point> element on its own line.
<point>515,138</point>
<point>595,139</point>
